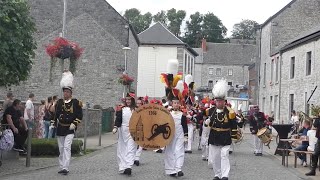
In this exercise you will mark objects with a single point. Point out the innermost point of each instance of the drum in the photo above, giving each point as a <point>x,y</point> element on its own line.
<point>239,136</point>
<point>152,126</point>
<point>264,135</point>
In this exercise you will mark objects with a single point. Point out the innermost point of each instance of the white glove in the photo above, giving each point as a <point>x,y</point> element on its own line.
<point>115,130</point>
<point>72,127</point>
<point>189,117</point>
<point>185,139</point>
<point>207,121</point>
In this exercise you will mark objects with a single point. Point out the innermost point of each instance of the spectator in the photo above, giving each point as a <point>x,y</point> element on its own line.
<point>295,120</point>
<point>47,117</point>
<point>29,111</point>
<point>316,153</point>
<point>40,126</point>
<point>52,131</point>
<point>8,102</point>
<point>17,124</point>
<point>303,147</point>
<point>312,138</point>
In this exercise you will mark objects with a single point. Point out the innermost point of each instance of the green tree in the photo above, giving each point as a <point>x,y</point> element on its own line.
<point>246,29</point>
<point>193,34</point>
<point>212,28</point>
<point>175,20</point>
<point>139,21</point>
<point>161,17</point>
<point>16,42</point>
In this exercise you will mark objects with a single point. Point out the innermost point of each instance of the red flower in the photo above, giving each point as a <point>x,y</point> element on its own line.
<point>62,48</point>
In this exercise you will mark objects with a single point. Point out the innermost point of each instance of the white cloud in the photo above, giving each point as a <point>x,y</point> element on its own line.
<point>229,11</point>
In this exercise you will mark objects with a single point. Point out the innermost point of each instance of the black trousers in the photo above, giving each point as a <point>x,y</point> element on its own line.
<point>20,138</point>
<point>315,155</point>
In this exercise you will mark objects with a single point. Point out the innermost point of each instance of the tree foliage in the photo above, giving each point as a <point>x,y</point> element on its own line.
<point>246,29</point>
<point>161,17</point>
<point>139,21</point>
<point>212,28</point>
<point>16,42</point>
<point>193,34</point>
<point>175,20</point>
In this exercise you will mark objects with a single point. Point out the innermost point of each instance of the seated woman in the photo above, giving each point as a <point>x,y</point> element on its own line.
<point>304,145</point>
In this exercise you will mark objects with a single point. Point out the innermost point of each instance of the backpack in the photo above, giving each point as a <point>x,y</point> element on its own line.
<point>6,140</point>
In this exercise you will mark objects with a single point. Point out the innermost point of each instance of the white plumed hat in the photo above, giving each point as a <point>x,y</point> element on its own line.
<point>220,89</point>
<point>188,79</point>
<point>172,66</point>
<point>67,80</point>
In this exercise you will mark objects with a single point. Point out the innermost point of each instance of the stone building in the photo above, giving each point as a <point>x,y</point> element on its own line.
<point>98,28</point>
<point>225,60</point>
<point>157,46</point>
<point>280,29</point>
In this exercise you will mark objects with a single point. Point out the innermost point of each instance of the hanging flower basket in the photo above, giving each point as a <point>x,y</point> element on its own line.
<point>64,49</point>
<point>125,80</point>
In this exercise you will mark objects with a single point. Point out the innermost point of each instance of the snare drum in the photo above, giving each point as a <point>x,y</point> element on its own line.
<point>264,135</point>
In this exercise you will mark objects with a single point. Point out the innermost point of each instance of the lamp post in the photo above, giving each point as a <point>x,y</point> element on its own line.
<point>125,49</point>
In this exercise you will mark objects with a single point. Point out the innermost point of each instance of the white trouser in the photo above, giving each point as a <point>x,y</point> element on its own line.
<point>138,153</point>
<point>204,142</point>
<point>231,146</point>
<point>190,137</point>
<point>257,143</point>
<point>174,153</point>
<point>205,151</point>
<point>210,156</point>
<point>220,159</point>
<point>126,149</point>
<point>64,143</point>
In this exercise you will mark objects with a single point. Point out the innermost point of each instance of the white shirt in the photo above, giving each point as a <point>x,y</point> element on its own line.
<point>312,139</point>
<point>29,106</point>
<point>294,119</point>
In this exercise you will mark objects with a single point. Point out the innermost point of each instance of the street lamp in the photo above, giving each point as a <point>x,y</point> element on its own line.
<point>125,49</point>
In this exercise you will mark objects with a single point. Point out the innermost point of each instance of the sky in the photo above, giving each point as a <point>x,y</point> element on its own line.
<point>230,12</point>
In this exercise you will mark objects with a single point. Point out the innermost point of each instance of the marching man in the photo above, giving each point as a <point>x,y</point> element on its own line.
<point>68,115</point>
<point>126,149</point>
<point>223,128</point>
<point>191,127</point>
<point>257,121</point>
<point>174,153</point>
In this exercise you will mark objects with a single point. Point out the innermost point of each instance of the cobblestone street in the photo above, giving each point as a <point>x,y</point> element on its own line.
<point>102,165</point>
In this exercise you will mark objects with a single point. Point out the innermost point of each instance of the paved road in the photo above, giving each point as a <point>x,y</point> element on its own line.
<point>103,165</point>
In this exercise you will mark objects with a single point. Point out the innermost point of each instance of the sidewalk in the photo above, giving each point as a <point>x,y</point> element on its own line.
<point>10,167</point>
<point>272,150</point>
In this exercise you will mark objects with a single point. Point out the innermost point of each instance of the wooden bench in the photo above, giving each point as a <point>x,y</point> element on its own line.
<point>303,152</point>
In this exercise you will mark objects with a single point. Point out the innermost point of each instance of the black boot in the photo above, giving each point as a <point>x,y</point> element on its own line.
<point>127,171</point>
<point>180,173</point>
<point>137,163</point>
<point>173,175</point>
<point>311,173</point>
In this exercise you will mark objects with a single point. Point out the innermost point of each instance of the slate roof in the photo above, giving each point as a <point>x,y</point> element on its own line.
<point>159,34</point>
<point>229,54</point>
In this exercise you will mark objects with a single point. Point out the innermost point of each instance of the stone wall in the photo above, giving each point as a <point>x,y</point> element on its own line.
<point>97,28</point>
<point>299,17</point>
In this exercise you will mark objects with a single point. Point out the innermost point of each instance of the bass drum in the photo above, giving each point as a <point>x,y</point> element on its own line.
<point>264,135</point>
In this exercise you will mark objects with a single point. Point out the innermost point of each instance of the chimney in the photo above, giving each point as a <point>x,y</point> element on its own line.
<point>204,45</point>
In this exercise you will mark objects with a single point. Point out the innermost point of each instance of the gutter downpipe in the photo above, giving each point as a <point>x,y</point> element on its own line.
<point>257,91</point>
<point>280,76</point>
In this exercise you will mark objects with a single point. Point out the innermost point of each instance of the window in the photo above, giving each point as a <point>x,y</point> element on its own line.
<point>230,72</point>
<point>272,70</point>
<point>189,64</point>
<point>210,71</point>
<point>277,69</point>
<point>271,104</point>
<point>218,73</point>
<point>185,63</point>
<point>264,73</point>
<point>191,70</point>
<point>292,64</point>
<point>230,83</point>
<point>291,103</point>
<point>263,104</point>
<point>275,110</point>
<point>308,70</point>
<point>210,84</point>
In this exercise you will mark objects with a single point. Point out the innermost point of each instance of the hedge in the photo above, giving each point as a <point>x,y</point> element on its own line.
<point>44,147</point>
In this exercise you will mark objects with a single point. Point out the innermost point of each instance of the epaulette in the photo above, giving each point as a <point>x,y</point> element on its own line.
<point>232,114</point>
